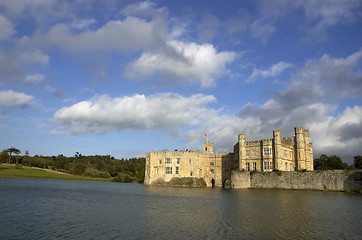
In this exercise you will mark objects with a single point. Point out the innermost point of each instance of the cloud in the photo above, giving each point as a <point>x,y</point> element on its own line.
<point>339,76</point>
<point>82,23</point>
<point>183,62</point>
<point>263,30</point>
<point>166,111</point>
<point>273,71</point>
<point>16,63</point>
<point>6,28</point>
<point>34,78</point>
<point>318,15</point>
<point>131,33</point>
<point>144,9</point>
<point>14,99</point>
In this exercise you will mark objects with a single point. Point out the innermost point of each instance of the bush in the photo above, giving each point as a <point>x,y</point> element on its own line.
<point>18,166</point>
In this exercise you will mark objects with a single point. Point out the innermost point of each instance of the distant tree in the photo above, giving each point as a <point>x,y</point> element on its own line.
<point>11,151</point>
<point>358,162</point>
<point>4,156</point>
<point>79,168</point>
<point>325,162</point>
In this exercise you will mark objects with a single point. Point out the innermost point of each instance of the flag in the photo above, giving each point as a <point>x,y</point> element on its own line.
<point>205,134</point>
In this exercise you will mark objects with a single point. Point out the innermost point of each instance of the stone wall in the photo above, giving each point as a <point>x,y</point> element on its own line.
<point>337,180</point>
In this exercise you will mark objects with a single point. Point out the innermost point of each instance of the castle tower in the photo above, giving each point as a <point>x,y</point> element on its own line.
<point>242,151</point>
<point>307,151</point>
<point>208,147</point>
<point>311,167</point>
<point>277,149</point>
<point>300,148</point>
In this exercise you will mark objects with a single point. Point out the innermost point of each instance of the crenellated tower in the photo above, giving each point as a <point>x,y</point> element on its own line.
<point>300,158</point>
<point>242,151</point>
<point>277,149</point>
<point>208,147</point>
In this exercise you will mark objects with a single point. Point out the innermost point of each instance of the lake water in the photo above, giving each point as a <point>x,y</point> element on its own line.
<point>58,209</point>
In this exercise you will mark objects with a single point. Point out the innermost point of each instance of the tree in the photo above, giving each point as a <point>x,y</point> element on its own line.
<point>4,156</point>
<point>11,151</point>
<point>325,162</point>
<point>358,162</point>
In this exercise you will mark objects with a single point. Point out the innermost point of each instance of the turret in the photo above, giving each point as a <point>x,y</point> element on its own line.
<point>300,148</point>
<point>242,151</point>
<point>277,149</point>
<point>307,150</point>
<point>208,147</point>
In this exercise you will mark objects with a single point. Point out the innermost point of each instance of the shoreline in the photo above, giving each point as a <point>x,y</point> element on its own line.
<point>10,171</point>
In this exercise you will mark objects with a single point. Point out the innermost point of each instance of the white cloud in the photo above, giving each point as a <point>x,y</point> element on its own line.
<point>166,111</point>
<point>6,28</point>
<point>183,62</point>
<point>35,56</point>
<point>273,71</point>
<point>34,78</point>
<point>82,23</point>
<point>131,33</point>
<point>144,9</point>
<point>338,76</point>
<point>14,99</point>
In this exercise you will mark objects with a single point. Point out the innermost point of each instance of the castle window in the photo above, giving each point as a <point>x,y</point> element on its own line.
<point>211,163</point>
<point>168,170</point>
<point>247,153</point>
<point>205,149</point>
<point>268,165</point>
<point>254,152</point>
<point>168,160</point>
<point>254,166</point>
<point>178,160</point>
<point>286,166</point>
<point>159,161</point>
<point>267,151</point>
<point>212,171</point>
<point>248,167</point>
<point>177,170</point>
<point>190,162</point>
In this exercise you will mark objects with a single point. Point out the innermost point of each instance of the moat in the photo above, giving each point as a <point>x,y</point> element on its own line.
<point>56,209</point>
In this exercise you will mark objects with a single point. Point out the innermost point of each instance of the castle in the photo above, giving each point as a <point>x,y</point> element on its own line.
<point>283,154</point>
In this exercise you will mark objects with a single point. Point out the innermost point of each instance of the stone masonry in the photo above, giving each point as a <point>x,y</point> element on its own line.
<point>283,154</point>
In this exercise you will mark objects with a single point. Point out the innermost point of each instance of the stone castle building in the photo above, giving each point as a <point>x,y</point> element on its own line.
<point>283,154</point>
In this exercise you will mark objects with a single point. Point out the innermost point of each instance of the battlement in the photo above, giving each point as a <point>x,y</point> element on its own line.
<point>173,152</point>
<point>289,141</point>
<point>267,142</point>
<point>254,143</point>
<point>299,130</point>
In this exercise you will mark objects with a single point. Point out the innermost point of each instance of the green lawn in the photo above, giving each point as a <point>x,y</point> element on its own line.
<point>36,173</point>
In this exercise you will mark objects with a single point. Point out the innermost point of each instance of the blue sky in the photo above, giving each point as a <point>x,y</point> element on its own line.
<point>126,77</point>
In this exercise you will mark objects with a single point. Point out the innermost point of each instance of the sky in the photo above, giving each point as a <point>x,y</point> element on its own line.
<point>123,78</point>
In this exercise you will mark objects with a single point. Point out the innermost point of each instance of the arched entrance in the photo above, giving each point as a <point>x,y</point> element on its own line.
<point>226,183</point>
<point>212,183</point>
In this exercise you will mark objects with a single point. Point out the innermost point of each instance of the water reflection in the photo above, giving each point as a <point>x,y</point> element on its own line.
<point>48,209</point>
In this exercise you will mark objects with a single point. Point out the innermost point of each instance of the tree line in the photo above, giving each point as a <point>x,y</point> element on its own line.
<point>325,162</point>
<point>98,166</point>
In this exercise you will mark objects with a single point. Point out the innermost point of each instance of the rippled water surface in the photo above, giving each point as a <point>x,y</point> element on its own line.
<point>57,209</point>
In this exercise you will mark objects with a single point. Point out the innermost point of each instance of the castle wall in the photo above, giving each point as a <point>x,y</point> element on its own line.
<point>334,180</point>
